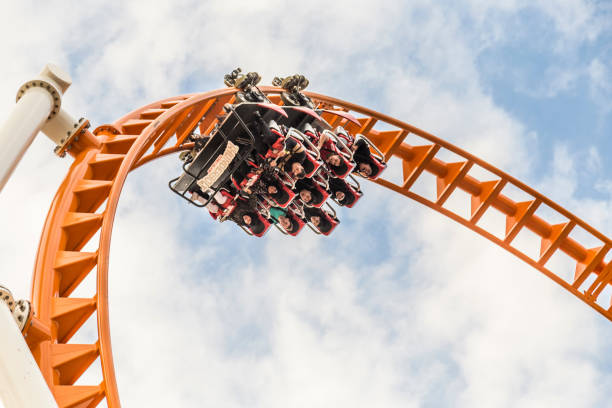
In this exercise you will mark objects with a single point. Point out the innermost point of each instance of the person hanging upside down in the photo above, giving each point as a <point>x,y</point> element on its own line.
<point>269,185</point>
<point>341,191</point>
<point>318,218</point>
<point>308,192</point>
<point>363,157</point>
<point>245,176</point>
<point>217,205</point>
<point>282,217</point>
<point>246,216</point>
<point>291,160</point>
<point>329,154</point>
<point>270,139</point>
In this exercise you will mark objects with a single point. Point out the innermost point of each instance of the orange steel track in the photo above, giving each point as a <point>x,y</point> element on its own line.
<point>87,199</point>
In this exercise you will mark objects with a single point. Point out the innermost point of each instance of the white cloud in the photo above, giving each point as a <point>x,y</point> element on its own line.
<point>396,306</point>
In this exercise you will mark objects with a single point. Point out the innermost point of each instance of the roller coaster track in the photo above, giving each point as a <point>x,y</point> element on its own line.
<point>86,203</point>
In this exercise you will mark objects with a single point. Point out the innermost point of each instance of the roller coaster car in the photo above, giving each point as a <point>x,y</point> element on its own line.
<point>230,144</point>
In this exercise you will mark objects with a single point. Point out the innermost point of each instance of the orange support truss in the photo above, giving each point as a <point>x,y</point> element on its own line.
<point>104,159</point>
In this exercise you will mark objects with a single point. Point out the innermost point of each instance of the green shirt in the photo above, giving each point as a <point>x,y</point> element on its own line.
<point>276,212</point>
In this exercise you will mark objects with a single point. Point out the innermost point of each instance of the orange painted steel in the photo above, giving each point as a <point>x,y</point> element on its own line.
<point>86,202</point>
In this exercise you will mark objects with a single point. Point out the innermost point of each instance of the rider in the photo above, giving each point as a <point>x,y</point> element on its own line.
<point>270,142</point>
<point>318,218</point>
<point>292,159</point>
<point>245,176</point>
<point>329,154</point>
<point>363,157</point>
<point>270,185</point>
<point>246,216</point>
<point>282,217</point>
<point>341,191</point>
<point>308,192</point>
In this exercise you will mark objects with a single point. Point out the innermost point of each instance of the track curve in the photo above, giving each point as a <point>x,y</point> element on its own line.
<point>86,203</point>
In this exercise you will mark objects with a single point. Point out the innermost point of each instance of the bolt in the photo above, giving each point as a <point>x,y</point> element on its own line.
<point>76,124</point>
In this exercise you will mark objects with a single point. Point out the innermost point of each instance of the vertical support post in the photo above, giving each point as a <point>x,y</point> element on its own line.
<point>38,101</point>
<point>21,382</point>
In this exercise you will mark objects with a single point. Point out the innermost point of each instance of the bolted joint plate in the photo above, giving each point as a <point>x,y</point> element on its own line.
<point>72,135</point>
<point>22,314</point>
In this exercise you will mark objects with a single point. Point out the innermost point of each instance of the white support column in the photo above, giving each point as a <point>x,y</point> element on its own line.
<point>21,382</point>
<point>38,101</point>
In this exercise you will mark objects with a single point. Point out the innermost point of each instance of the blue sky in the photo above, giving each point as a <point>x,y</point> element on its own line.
<point>400,307</point>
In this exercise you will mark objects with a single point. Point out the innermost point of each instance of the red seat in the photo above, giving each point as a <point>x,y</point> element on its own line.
<point>350,165</point>
<point>336,145</point>
<point>312,162</point>
<point>353,189</point>
<point>312,166</point>
<point>299,221</point>
<point>330,217</point>
<point>323,191</point>
<point>266,224</point>
<point>381,168</point>
<point>290,193</point>
<point>357,195</point>
<point>377,159</point>
<point>333,221</point>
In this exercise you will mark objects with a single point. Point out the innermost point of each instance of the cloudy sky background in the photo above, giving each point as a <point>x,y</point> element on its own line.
<point>400,307</point>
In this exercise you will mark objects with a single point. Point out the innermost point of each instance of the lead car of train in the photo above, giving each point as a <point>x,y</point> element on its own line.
<point>283,165</point>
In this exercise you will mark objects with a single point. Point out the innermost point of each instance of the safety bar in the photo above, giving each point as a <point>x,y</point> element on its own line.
<point>356,186</point>
<point>344,149</point>
<point>310,147</point>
